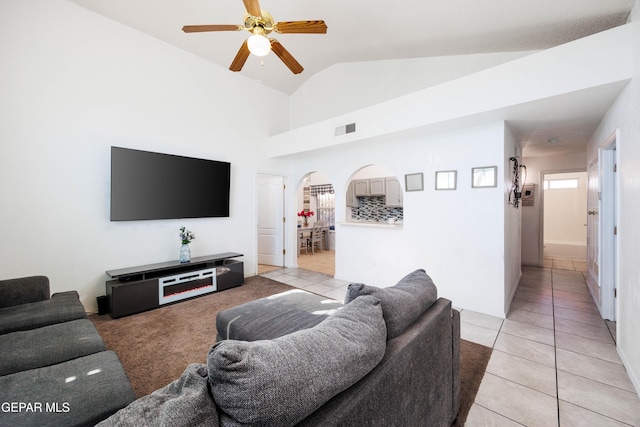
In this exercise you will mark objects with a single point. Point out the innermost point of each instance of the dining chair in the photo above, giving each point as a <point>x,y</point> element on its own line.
<point>316,238</point>
<point>303,243</point>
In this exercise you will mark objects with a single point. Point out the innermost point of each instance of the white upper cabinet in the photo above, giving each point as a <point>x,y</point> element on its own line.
<point>352,199</point>
<point>389,187</point>
<point>393,195</point>
<point>370,187</point>
<point>376,186</point>
<point>361,187</point>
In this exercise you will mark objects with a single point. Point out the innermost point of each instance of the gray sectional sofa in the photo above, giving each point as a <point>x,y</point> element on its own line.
<point>54,367</point>
<point>386,357</point>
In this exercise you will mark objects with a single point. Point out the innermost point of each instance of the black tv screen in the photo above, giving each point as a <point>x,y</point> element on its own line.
<point>146,185</point>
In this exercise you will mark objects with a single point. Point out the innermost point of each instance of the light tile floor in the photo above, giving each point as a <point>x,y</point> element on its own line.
<point>312,281</point>
<point>554,361</point>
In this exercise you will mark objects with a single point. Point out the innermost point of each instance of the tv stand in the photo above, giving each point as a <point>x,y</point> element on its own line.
<point>136,289</point>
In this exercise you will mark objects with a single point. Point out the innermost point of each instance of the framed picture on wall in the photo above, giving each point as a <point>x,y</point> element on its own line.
<point>486,176</point>
<point>414,182</point>
<point>306,198</point>
<point>446,180</point>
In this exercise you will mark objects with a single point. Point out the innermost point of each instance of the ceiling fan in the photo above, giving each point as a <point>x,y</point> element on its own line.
<point>260,24</point>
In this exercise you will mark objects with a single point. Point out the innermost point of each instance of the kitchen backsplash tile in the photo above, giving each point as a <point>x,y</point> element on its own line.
<point>372,208</point>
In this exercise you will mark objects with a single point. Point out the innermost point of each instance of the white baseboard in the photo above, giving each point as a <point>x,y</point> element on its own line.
<point>633,376</point>
<point>567,251</point>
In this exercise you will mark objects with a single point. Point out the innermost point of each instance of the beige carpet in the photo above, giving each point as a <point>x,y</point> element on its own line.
<point>155,347</point>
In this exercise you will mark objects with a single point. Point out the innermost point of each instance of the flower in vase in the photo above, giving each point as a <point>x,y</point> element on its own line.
<point>305,214</point>
<point>186,236</point>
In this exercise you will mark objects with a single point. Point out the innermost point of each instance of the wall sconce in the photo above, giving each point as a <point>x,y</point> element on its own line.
<point>515,194</point>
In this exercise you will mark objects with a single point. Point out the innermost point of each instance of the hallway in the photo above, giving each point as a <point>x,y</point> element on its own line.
<point>554,361</point>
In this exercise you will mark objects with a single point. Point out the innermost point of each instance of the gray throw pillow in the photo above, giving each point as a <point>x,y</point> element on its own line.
<point>403,303</point>
<point>280,382</point>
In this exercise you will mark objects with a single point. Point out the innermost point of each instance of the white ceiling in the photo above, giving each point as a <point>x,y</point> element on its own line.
<point>369,30</point>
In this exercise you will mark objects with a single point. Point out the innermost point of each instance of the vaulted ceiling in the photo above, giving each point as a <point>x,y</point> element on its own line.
<point>365,30</point>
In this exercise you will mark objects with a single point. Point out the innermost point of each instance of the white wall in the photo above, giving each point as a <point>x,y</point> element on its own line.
<point>346,87</point>
<point>372,171</point>
<point>624,115</point>
<point>532,216</point>
<point>512,222</point>
<point>74,83</point>
<point>458,236</point>
<point>471,99</point>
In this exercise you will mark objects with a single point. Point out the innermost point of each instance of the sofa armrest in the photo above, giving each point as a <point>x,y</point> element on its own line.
<point>412,385</point>
<point>23,290</point>
<point>455,318</point>
<point>66,294</point>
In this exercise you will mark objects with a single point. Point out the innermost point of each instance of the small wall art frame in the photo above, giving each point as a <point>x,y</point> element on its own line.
<point>306,198</point>
<point>485,176</point>
<point>446,180</point>
<point>414,182</point>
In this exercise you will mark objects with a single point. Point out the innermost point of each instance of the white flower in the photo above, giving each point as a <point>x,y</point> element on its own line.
<point>186,236</point>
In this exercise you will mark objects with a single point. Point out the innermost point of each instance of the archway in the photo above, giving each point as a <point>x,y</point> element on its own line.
<point>374,195</point>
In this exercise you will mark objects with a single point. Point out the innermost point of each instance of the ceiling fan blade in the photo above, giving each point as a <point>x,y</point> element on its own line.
<point>203,28</point>
<point>306,27</point>
<point>241,57</point>
<point>253,7</point>
<point>286,57</point>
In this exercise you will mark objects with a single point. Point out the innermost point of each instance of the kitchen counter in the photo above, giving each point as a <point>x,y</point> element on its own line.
<point>371,224</point>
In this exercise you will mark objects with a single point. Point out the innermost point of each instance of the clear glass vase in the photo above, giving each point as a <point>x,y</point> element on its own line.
<point>185,253</point>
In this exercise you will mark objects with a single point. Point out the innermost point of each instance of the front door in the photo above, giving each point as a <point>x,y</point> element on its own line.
<point>593,235</point>
<point>270,220</point>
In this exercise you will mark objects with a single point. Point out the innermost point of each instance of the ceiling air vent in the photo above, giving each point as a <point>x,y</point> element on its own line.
<point>341,130</point>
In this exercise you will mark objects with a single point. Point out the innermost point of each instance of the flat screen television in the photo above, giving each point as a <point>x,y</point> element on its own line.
<point>147,185</point>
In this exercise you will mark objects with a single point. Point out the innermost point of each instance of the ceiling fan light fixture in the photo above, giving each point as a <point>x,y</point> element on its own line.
<point>259,45</point>
<point>260,24</point>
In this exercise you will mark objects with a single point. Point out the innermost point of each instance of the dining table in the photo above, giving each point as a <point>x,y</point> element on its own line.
<point>308,231</point>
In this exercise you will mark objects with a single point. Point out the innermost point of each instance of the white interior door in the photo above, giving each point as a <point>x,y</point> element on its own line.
<point>593,228</point>
<point>271,220</point>
<point>608,232</point>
